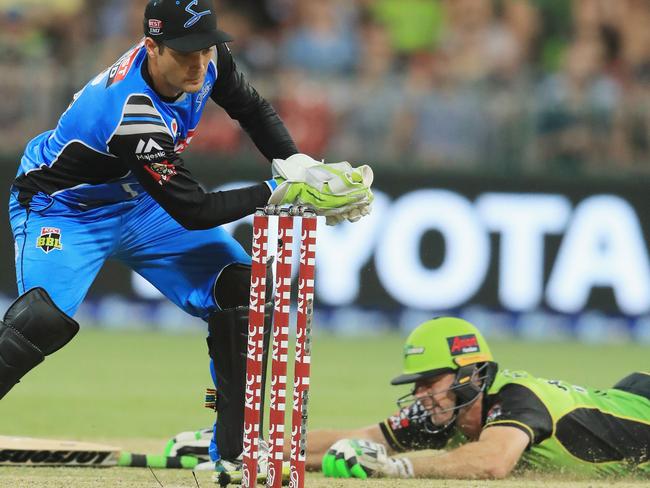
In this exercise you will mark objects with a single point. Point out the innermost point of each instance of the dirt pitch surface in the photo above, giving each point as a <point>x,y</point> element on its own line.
<point>143,478</point>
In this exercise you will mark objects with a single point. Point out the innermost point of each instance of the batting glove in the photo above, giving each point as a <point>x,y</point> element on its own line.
<point>353,458</point>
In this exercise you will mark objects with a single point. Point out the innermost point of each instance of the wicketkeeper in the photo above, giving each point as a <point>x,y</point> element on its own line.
<point>109,182</point>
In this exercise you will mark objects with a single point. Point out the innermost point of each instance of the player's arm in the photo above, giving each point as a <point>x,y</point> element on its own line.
<point>409,429</point>
<point>494,455</point>
<point>143,143</point>
<point>516,420</point>
<point>255,114</point>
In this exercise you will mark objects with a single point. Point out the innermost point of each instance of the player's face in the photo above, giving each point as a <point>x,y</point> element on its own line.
<point>186,71</point>
<point>436,397</point>
<point>177,72</point>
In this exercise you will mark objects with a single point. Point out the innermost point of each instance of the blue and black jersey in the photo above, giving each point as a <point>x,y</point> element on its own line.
<point>119,138</point>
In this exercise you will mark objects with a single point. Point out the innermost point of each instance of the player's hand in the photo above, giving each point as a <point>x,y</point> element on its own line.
<point>353,458</point>
<point>338,191</point>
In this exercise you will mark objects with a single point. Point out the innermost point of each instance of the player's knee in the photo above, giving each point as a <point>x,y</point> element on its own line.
<point>32,328</point>
<point>228,327</point>
<point>232,288</point>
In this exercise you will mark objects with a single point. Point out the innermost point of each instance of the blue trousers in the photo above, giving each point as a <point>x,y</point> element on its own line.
<point>62,249</point>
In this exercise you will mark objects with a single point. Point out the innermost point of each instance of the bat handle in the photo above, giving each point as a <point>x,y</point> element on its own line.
<point>128,459</point>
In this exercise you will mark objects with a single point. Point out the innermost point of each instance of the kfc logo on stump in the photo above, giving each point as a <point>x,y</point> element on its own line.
<point>161,172</point>
<point>464,344</point>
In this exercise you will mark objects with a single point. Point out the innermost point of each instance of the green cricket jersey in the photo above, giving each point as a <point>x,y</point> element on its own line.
<point>571,428</point>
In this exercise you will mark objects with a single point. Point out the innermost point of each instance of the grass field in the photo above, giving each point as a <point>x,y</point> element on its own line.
<point>139,389</point>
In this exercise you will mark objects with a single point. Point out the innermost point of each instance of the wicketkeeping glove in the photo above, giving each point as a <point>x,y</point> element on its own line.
<point>353,458</point>
<point>338,191</point>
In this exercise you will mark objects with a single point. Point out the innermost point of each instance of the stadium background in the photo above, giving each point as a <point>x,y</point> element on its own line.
<point>462,107</point>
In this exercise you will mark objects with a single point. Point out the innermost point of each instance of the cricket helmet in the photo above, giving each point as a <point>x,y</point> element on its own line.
<point>441,345</point>
<point>447,345</point>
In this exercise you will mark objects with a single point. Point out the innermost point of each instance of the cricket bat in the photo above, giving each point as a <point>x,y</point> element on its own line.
<point>28,451</point>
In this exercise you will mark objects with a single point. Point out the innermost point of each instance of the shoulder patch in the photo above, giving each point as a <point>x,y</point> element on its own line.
<point>120,69</point>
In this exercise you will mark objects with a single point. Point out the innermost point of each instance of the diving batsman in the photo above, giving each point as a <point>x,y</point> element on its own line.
<point>482,421</point>
<point>490,421</point>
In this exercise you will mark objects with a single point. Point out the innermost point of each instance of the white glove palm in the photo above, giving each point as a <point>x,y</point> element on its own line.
<point>337,190</point>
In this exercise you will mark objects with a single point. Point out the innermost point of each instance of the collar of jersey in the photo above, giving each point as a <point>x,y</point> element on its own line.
<point>149,81</point>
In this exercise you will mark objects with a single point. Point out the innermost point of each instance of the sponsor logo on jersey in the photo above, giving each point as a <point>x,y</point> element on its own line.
<point>207,88</point>
<point>493,413</point>
<point>161,172</point>
<point>398,421</point>
<point>49,240</point>
<point>155,27</point>
<point>413,350</point>
<point>182,144</point>
<point>196,16</point>
<point>119,70</point>
<point>463,344</point>
<point>149,151</point>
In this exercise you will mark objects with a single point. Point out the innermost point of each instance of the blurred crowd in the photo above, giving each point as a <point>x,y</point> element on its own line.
<point>503,86</point>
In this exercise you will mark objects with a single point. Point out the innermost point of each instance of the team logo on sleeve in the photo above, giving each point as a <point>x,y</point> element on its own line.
<point>49,240</point>
<point>463,344</point>
<point>161,172</point>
